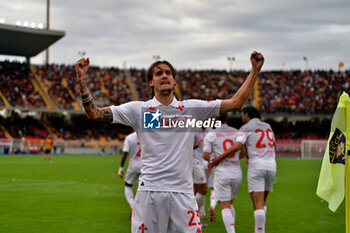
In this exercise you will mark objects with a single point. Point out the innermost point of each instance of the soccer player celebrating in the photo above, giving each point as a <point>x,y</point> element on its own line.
<point>260,142</point>
<point>131,147</point>
<point>228,173</point>
<point>164,201</point>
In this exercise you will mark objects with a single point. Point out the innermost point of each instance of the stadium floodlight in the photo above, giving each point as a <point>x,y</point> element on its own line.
<point>231,60</point>
<point>32,25</point>
<point>40,25</point>
<point>156,57</point>
<point>25,24</point>
<point>18,23</point>
<point>2,20</point>
<point>81,53</point>
<point>307,63</point>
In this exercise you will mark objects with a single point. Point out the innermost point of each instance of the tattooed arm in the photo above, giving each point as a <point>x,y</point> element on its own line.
<point>92,111</point>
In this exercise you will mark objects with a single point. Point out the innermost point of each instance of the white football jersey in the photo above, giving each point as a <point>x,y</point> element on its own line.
<point>218,141</point>
<point>133,148</point>
<point>167,153</point>
<point>260,142</point>
<point>197,153</point>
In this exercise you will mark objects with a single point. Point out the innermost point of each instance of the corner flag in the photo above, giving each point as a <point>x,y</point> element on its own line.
<point>331,183</point>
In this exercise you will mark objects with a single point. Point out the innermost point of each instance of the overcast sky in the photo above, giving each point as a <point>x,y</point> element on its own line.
<point>196,34</point>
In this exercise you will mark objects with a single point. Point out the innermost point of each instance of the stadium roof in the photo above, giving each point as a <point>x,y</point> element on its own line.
<point>27,42</point>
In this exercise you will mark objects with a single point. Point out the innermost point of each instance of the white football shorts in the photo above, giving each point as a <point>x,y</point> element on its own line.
<point>132,177</point>
<point>226,189</point>
<point>199,176</point>
<point>210,178</point>
<point>160,212</point>
<point>260,180</point>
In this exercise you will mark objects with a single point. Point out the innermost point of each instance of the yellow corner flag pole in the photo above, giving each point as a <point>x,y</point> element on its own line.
<point>334,180</point>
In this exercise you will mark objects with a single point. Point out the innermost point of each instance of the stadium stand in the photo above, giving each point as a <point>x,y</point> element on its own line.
<point>298,105</point>
<point>17,88</point>
<point>36,101</point>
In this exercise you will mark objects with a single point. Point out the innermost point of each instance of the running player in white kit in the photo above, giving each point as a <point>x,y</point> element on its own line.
<point>131,147</point>
<point>260,142</point>
<point>199,176</point>
<point>227,173</point>
<point>164,201</point>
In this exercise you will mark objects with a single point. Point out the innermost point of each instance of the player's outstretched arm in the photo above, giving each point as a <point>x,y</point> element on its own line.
<point>237,146</point>
<point>121,168</point>
<point>242,95</point>
<point>92,111</point>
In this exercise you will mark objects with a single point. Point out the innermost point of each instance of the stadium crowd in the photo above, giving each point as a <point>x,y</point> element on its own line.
<point>311,92</point>
<point>292,92</point>
<point>17,87</point>
<point>107,85</point>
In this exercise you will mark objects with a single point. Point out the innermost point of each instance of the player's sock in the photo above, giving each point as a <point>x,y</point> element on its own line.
<point>202,209</point>
<point>233,211</point>
<point>229,220</point>
<point>212,214</point>
<point>213,200</point>
<point>129,195</point>
<point>265,208</point>
<point>259,216</point>
<point>200,200</point>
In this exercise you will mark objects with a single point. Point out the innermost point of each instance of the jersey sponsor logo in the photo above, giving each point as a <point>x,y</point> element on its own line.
<point>160,120</point>
<point>151,119</point>
<point>337,147</point>
<point>190,123</point>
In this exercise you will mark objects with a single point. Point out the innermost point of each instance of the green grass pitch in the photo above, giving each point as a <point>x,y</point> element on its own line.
<point>83,194</point>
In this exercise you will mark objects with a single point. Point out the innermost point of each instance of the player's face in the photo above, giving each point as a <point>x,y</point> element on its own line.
<point>163,80</point>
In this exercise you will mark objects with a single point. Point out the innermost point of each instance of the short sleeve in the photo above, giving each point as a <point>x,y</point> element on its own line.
<point>127,114</point>
<point>205,109</point>
<point>242,135</point>
<point>207,145</point>
<point>126,146</point>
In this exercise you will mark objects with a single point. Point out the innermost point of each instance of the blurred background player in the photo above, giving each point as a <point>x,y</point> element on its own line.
<point>131,147</point>
<point>260,142</point>
<point>199,176</point>
<point>48,143</point>
<point>165,201</point>
<point>210,183</point>
<point>228,173</point>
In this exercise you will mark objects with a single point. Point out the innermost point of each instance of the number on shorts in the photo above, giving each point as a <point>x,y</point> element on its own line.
<point>226,148</point>
<point>261,145</point>
<point>191,222</point>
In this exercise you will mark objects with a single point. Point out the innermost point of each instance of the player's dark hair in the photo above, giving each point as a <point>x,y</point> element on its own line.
<point>252,111</point>
<point>222,118</point>
<point>149,73</point>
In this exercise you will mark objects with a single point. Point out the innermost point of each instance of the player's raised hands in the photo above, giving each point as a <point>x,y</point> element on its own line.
<point>257,60</point>
<point>81,67</point>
